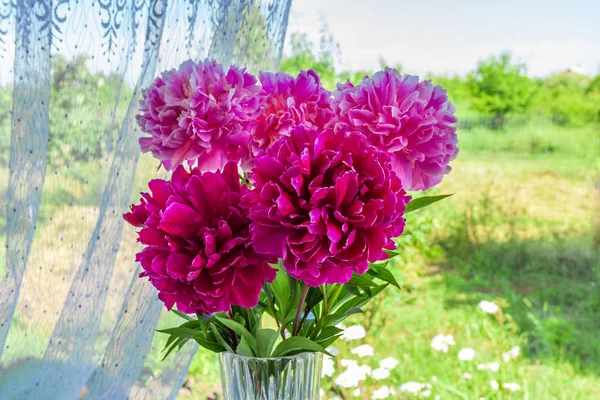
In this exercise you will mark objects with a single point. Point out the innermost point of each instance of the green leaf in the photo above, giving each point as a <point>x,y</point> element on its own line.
<point>328,332</point>
<point>265,340</point>
<point>315,295</point>
<point>186,333</point>
<point>219,338</point>
<point>392,253</point>
<point>336,318</point>
<point>296,345</point>
<point>244,349</point>
<point>384,274</point>
<point>329,341</point>
<point>281,289</point>
<point>360,281</point>
<point>212,346</point>
<point>170,341</point>
<point>422,202</point>
<point>240,330</point>
<point>182,315</point>
<point>353,290</point>
<point>179,342</point>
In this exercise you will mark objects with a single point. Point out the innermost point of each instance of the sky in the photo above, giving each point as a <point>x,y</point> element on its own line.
<point>449,37</point>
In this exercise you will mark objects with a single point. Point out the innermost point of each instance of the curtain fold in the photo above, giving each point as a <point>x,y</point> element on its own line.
<point>75,320</point>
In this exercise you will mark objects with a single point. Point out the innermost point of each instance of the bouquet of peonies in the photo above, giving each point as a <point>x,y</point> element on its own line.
<point>284,199</point>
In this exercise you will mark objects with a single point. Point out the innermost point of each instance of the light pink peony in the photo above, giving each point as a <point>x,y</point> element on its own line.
<point>197,242</point>
<point>201,113</point>
<point>326,202</point>
<point>412,120</point>
<point>290,102</point>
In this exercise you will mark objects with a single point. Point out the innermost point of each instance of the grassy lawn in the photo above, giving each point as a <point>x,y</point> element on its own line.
<point>518,232</point>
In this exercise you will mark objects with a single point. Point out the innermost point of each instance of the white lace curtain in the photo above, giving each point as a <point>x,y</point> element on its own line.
<point>74,318</point>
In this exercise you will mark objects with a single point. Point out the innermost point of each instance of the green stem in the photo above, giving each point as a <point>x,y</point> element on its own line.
<point>299,310</point>
<point>233,334</point>
<point>326,303</point>
<point>336,293</point>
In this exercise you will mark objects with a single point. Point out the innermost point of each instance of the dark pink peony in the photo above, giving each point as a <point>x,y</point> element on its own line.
<point>197,242</point>
<point>199,112</point>
<point>412,120</point>
<point>290,102</point>
<point>326,202</point>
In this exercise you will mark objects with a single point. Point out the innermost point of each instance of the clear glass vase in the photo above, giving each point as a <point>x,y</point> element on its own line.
<point>287,378</point>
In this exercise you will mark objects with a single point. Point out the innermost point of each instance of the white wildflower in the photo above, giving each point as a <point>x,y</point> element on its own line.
<point>388,363</point>
<point>434,378</point>
<point>353,333</point>
<point>494,384</point>
<point>363,350</point>
<point>412,387</point>
<point>467,375</point>
<point>380,373</point>
<point>321,393</point>
<point>416,388</point>
<point>437,397</point>
<point>353,374</point>
<point>442,342</point>
<point>328,366</point>
<point>513,387</point>
<point>511,354</point>
<point>488,307</point>
<point>494,367</point>
<point>347,379</point>
<point>363,371</point>
<point>334,351</point>
<point>381,393</point>
<point>356,392</point>
<point>466,354</point>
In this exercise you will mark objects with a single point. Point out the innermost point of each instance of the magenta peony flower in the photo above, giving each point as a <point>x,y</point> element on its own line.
<point>290,102</point>
<point>197,242</point>
<point>326,202</point>
<point>412,120</point>
<point>199,112</point>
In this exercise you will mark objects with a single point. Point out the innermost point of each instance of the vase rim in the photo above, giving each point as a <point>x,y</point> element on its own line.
<point>296,356</point>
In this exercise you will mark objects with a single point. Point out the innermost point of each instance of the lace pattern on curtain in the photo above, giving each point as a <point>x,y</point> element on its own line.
<point>74,318</point>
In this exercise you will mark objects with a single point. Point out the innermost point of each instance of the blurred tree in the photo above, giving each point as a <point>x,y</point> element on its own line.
<point>500,88</point>
<point>569,98</point>
<point>252,46</point>
<point>593,90</point>
<point>354,77</point>
<point>85,108</point>
<point>302,57</point>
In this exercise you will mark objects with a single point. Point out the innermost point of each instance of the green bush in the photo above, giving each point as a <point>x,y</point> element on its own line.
<point>501,88</point>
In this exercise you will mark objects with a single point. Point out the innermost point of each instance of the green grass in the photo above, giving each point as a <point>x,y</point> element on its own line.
<point>518,231</point>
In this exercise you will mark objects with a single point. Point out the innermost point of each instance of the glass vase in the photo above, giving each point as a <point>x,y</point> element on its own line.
<point>286,378</point>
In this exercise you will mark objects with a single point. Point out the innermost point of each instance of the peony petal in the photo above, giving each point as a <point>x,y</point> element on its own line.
<point>180,220</point>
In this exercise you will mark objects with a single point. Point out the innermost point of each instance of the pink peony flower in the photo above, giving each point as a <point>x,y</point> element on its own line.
<point>326,202</point>
<point>412,120</point>
<point>290,102</point>
<point>199,112</point>
<point>197,242</point>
